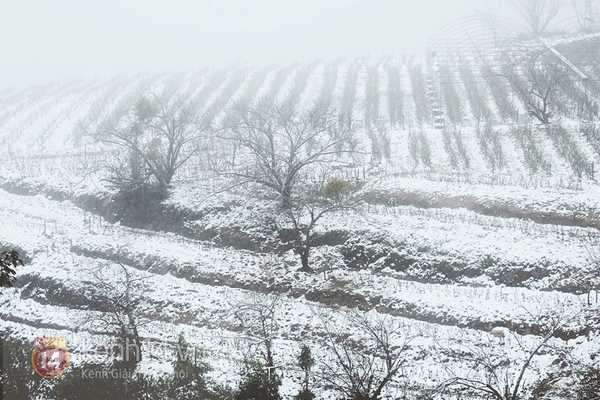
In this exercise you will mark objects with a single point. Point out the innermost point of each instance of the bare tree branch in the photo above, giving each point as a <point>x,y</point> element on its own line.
<point>279,145</point>
<point>538,13</point>
<point>160,131</point>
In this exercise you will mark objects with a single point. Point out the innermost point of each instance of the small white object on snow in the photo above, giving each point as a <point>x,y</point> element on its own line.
<point>499,332</point>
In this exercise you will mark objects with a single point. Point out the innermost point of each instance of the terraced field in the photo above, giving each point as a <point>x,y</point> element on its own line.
<point>446,243</point>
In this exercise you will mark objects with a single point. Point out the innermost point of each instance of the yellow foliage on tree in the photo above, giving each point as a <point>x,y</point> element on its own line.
<point>335,188</point>
<point>153,148</point>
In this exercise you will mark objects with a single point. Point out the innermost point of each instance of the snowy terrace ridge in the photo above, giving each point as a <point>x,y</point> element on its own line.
<point>424,260</point>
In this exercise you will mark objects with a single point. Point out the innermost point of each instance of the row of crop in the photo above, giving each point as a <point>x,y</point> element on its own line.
<point>224,97</point>
<point>21,100</point>
<point>589,92</point>
<point>222,89</point>
<point>591,132</point>
<point>454,110</point>
<point>33,112</point>
<point>277,84</point>
<point>561,138</point>
<point>379,137</point>
<point>455,147</point>
<point>253,86</point>
<point>535,159</point>
<point>489,139</point>
<point>212,83</point>
<point>395,96</point>
<point>324,100</point>
<point>501,96</point>
<point>419,94</point>
<point>290,102</point>
<point>578,100</point>
<point>349,94</point>
<point>490,144</point>
<point>209,83</point>
<point>478,102</point>
<point>245,99</point>
<point>42,122</point>
<point>454,113</point>
<point>377,130</point>
<point>571,100</point>
<point>372,97</point>
<point>569,149</point>
<point>59,123</point>
<point>115,94</point>
<point>419,147</point>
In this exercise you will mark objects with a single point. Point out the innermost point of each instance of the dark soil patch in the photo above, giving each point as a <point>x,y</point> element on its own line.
<point>335,298</point>
<point>580,217</point>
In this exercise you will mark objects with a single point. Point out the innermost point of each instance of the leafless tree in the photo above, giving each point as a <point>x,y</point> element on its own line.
<point>304,212</point>
<point>589,276</point>
<point>258,320</point>
<point>494,372</point>
<point>587,13</point>
<point>535,75</point>
<point>278,146</point>
<point>362,369</point>
<point>538,13</point>
<point>115,295</point>
<point>159,130</point>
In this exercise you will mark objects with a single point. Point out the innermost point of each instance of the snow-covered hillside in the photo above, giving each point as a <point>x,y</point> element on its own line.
<point>458,230</point>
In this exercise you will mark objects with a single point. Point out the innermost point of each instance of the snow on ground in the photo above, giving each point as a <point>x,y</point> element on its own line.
<point>195,287</point>
<point>245,267</point>
<point>213,325</point>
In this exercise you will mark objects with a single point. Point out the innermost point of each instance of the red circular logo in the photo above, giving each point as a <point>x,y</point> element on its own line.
<point>50,357</point>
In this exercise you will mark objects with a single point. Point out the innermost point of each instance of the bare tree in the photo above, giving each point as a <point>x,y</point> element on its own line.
<point>305,211</point>
<point>278,146</point>
<point>363,369</point>
<point>535,75</point>
<point>538,13</point>
<point>587,13</point>
<point>493,371</point>
<point>259,323</point>
<point>159,130</point>
<point>114,295</point>
<point>589,276</point>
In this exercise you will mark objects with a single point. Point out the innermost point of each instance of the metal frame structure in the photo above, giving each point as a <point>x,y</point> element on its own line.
<point>479,40</point>
<point>481,43</point>
<point>472,40</point>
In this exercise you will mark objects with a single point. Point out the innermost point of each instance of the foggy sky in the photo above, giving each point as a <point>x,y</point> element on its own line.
<point>42,40</point>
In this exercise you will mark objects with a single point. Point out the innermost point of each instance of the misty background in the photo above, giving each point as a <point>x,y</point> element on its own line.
<point>47,40</point>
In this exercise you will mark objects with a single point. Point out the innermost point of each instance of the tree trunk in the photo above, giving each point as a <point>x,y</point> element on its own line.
<point>168,177</point>
<point>269,360</point>
<point>286,195</point>
<point>306,380</point>
<point>304,258</point>
<point>136,338</point>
